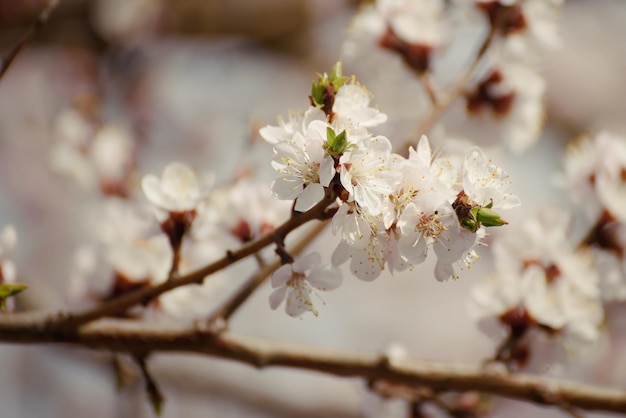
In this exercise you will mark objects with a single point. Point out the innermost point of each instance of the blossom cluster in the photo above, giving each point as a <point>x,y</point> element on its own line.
<point>391,210</point>
<point>594,177</point>
<point>503,100</point>
<point>541,280</point>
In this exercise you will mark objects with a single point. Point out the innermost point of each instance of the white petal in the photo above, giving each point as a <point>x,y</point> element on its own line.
<point>151,187</point>
<point>327,171</point>
<point>312,114</point>
<point>307,262</point>
<point>8,239</point>
<point>277,297</point>
<point>346,179</point>
<point>287,188</point>
<point>328,278</point>
<point>414,250</point>
<point>443,271</point>
<point>273,134</point>
<point>282,275</point>
<point>341,254</point>
<point>368,199</point>
<point>310,196</point>
<point>298,303</point>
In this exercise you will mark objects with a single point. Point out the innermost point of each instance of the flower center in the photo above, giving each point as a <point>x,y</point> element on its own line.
<point>429,225</point>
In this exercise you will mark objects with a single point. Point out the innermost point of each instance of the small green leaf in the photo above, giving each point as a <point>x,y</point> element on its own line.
<point>489,217</point>
<point>336,78</point>
<point>341,143</point>
<point>10,289</point>
<point>330,137</point>
<point>317,93</point>
<point>469,224</point>
<point>336,144</point>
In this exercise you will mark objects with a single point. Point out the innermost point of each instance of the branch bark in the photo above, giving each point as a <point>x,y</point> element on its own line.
<point>138,337</point>
<point>42,18</point>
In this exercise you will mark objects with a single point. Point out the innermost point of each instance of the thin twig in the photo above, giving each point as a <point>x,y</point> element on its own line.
<point>428,88</point>
<point>139,337</point>
<point>41,19</point>
<point>444,101</point>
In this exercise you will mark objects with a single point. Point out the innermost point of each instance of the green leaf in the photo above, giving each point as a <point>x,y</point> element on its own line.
<point>336,78</point>
<point>341,143</point>
<point>469,224</point>
<point>489,217</point>
<point>317,93</point>
<point>336,144</point>
<point>10,289</point>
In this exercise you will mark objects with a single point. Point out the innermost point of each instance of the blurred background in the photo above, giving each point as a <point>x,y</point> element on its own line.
<point>193,81</point>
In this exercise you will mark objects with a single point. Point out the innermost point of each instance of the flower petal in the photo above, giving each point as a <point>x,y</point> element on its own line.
<point>327,278</point>
<point>282,275</point>
<point>277,297</point>
<point>310,196</point>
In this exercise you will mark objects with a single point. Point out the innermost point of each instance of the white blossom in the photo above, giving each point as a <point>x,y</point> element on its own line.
<point>296,282</point>
<point>352,105</point>
<point>179,189</point>
<point>304,167</point>
<point>297,122</point>
<point>245,210</point>
<point>366,175</point>
<point>485,183</point>
<point>538,270</point>
<point>414,21</point>
<point>94,157</point>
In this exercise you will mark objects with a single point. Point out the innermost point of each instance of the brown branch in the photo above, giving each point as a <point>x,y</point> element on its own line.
<point>444,101</point>
<point>68,322</point>
<point>42,18</point>
<point>139,337</point>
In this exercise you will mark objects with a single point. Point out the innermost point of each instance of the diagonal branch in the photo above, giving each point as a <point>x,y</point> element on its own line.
<point>137,337</point>
<point>42,18</point>
<point>68,322</point>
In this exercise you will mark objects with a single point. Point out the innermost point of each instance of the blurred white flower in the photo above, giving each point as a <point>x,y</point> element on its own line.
<point>111,153</point>
<point>503,103</point>
<point>179,189</point>
<point>610,176</point>
<point>296,282</point>
<point>246,210</point>
<point>94,157</point>
<point>8,240</point>
<point>412,28</point>
<point>538,270</point>
<point>579,177</point>
<point>527,26</point>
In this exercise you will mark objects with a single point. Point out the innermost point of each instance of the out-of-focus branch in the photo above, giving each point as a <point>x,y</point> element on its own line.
<point>42,18</point>
<point>445,100</point>
<point>138,337</point>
